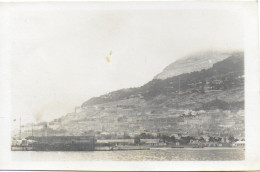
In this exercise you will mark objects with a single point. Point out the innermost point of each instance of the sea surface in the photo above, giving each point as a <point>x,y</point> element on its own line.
<point>161,154</point>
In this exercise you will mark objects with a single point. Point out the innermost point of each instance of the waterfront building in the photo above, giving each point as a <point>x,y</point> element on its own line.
<point>239,144</point>
<point>150,142</point>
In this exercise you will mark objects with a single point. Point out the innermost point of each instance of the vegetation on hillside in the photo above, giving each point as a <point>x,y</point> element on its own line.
<point>224,75</point>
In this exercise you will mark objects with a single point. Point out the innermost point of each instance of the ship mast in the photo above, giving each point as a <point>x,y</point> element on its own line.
<point>77,117</point>
<point>20,136</point>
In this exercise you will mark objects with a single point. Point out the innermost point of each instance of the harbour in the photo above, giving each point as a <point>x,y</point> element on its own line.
<point>90,143</point>
<point>154,154</point>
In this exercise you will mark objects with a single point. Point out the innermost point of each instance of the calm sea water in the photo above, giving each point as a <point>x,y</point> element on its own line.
<point>163,154</point>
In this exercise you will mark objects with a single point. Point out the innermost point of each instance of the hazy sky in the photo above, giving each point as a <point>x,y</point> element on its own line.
<point>58,57</point>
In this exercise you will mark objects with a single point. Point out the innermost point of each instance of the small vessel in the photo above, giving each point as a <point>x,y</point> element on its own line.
<point>177,147</point>
<point>117,148</point>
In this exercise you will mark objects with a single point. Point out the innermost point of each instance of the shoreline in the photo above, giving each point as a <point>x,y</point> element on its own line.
<point>147,149</point>
<point>205,148</point>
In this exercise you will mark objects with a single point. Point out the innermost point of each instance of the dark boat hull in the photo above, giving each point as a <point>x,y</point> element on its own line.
<point>63,147</point>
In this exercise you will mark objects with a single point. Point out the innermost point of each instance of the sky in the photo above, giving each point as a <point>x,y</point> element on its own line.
<point>58,56</point>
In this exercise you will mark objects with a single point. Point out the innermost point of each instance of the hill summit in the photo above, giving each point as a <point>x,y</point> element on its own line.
<point>191,63</point>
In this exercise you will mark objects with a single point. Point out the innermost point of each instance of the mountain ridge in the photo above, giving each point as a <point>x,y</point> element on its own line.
<point>156,85</point>
<point>193,62</point>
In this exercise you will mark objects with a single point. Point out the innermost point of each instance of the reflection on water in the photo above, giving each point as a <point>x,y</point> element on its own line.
<point>179,154</point>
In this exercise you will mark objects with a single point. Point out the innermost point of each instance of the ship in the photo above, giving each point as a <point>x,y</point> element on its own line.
<point>57,143</point>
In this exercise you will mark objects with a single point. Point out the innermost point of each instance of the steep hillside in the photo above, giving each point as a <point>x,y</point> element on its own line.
<point>214,95</point>
<point>222,76</point>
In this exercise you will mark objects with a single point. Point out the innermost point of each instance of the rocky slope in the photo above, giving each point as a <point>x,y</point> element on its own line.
<point>226,72</point>
<point>214,90</point>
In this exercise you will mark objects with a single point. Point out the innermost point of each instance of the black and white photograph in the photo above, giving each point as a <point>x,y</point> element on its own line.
<point>129,82</point>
